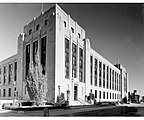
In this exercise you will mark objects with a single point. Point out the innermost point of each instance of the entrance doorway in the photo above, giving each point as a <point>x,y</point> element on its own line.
<point>75,92</point>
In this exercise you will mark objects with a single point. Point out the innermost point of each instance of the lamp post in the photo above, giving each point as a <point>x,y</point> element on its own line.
<point>14,94</point>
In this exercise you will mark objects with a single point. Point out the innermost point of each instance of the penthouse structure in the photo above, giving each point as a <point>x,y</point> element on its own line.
<point>71,66</point>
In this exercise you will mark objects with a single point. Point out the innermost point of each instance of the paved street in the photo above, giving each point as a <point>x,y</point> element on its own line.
<point>135,110</point>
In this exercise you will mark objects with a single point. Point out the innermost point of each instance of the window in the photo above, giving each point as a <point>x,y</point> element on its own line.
<point>100,74</point>
<point>0,92</point>
<point>113,96</point>
<point>103,75</point>
<point>4,92</point>
<point>103,95</point>
<point>107,77</point>
<point>79,35</point>
<point>15,71</point>
<point>66,72</point>
<point>107,95</point>
<point>100,94</point>
<point>10,73</point>
<point>74,73</point>
<point>30,31</point>
<point>45,23</point>
<point>65,25</point>
<point>5,71</point>
<point>91,70</point>
<point>72,29</point>
<point>37,27</point>
<point>43,54</point>
<point>81,65</point>
<point>27,58</point>
<point>80,76</point>
<point>74,60</point>
<point>95,73</point>
<point>66,58</point>
<point>35,49</point>
<point>110,95</point>
<point>115,82</point>
<point>9,94</point>
<point>95,93</point>
<point>0,76</point>
<point>110,78</point>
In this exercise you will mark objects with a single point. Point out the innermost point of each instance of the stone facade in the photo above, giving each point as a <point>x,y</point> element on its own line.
<point>72,67</point>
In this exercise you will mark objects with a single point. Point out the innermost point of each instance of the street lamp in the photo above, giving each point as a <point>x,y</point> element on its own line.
<point>14,94</point>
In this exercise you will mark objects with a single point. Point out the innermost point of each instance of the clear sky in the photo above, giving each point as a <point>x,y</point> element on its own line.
<point>115,31</point>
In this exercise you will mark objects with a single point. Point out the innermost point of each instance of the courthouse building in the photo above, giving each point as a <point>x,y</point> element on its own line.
<point>71,66</point>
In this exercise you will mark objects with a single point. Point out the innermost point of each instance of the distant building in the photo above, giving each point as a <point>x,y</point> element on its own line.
<point>72,67</point>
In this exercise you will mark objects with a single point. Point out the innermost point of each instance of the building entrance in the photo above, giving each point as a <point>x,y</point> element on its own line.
<point>75,92</point>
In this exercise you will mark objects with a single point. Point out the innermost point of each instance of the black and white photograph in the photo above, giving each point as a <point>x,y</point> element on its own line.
<point>61,59</point>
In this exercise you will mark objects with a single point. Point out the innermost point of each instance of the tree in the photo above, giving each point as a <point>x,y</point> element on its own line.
<point>36,82</point>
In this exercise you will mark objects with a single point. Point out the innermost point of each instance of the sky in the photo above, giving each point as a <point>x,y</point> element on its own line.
<point>115,31</point>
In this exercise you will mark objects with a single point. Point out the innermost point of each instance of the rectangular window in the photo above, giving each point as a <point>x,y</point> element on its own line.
<point>74,73</point>
<point>67,58</point>
<point>74,60</point>
<point>95,93</point>
<point>4,92</point>
<point>119,82</point>
<point>37,27</point>
<point>66,71</point>
<point>115,82</point>
<point>95,73</point>
<point>79,35</point>
<point>27,58</point>
<point>100,94</point>
<point>113,96</point>
<point>110,95</point>
<point>65,25</point>
<point>45,23</point>
<point>91,70</point>
<point>107,77</point>
<point>81,65</point>
<point>80,76</point>
<point>10,74</point>
<point>15,71</point>
<point>100,73</point>
<point>35,49</point>
<point>9,94</point>
<point>0,76</point>
<point>43,54</point>
<point>0,92</point>
<point>103,95</point>
<point>103,75</point>
<point>5,74</point>
<point>30,31</point>
<point>110,78</point>
<point>107,95</point>
<point>72,29</point>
